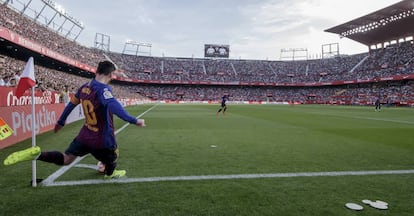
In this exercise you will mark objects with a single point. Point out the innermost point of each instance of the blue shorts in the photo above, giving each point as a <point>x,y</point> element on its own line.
<point>106,156</point>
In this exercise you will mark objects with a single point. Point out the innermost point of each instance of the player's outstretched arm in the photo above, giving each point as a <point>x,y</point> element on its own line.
<point>62,119</point>
<point>116,108</point>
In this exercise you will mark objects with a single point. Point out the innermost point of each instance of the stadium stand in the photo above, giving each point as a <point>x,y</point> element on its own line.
<point>355,79</point>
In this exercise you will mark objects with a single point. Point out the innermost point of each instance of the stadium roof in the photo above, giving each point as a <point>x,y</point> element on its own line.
<point>390,23</point>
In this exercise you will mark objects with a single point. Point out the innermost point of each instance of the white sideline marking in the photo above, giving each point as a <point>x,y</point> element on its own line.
<point>50,179</point>
<point>237,176</point>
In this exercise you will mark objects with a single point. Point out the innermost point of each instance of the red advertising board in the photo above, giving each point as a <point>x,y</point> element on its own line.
<point>17,113</point>
<point>19,118</point>
<point>8,97</point>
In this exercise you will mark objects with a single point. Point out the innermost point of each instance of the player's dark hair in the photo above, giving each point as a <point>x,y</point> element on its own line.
<point>105,67</point>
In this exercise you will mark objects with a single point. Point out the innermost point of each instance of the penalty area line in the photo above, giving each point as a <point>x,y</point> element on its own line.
<point>50,179</point>
<point>223,177</point>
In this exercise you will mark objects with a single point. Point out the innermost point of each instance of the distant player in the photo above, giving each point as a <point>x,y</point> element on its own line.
<point>378,105</point>
<point>97,135</point>
<point>223,105</point>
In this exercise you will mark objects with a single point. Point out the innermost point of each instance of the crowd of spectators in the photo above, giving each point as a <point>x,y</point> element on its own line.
<point>396,92</point>
<point>396,59</point>
<point>393,60</point>
<point>38,33</point>
<point>51,80</point>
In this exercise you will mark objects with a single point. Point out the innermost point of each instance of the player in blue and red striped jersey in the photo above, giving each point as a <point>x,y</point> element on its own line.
<point>97,135</point>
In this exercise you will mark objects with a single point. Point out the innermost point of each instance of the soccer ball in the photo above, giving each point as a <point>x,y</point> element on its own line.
<point>100,167</point>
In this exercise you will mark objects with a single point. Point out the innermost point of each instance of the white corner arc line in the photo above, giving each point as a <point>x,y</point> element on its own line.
<point>50,179</point>
<point>87,166</point>
<point>236,176</point>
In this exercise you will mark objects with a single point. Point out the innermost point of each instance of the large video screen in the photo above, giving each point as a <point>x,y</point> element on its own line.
<point>216,51</point>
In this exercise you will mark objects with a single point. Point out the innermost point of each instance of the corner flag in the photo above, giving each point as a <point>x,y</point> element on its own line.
<point>27,79</point>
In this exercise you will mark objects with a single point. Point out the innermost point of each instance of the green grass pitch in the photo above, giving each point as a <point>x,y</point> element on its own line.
<point>249,139</point>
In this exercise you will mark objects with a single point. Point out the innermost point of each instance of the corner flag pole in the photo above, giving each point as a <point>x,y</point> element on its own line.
<point>27,81</point>
<point>34,178</point>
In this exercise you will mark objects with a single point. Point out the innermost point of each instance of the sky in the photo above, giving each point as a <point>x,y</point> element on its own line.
<point>254,29</point>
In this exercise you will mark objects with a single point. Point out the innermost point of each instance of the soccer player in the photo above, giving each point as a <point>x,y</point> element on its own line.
<point>223,105</point>
<point>378,105</point>
<point>97,135</point>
